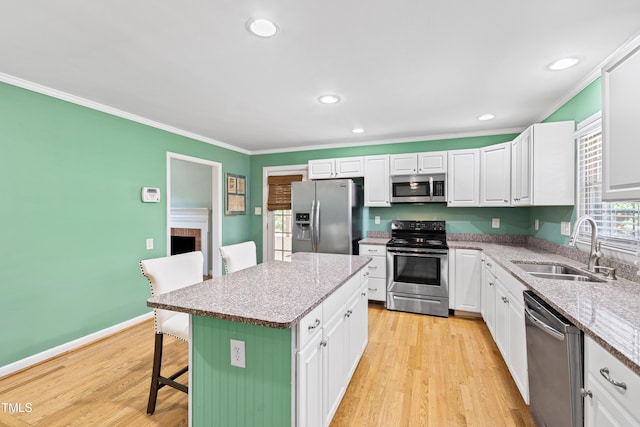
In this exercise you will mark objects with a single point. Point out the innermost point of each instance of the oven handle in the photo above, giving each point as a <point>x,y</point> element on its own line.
<point>417,252</point>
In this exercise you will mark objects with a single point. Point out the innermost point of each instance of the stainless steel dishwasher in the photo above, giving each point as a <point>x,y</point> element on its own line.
<point>554,356</point>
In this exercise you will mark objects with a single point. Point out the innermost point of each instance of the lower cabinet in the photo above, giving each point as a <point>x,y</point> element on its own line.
<point>608,402</point>
<point>377,271</point>
<point>503,311</point>
<point>326,362</point>
<point>467,279</point>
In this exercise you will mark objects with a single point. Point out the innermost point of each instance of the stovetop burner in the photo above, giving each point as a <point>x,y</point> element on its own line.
<point>418,234</point>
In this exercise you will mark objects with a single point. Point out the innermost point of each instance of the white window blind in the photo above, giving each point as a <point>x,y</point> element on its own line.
<point>618,222</point>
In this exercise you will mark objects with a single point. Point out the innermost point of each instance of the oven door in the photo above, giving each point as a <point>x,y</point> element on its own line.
<point>418,271</point>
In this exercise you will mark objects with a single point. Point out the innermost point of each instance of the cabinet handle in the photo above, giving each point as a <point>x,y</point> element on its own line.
<point>373,289</point>
<point>489,264</point>
<point>505,299</point>
<point>373,267</point>
<point>365,274</point>
<point>350,312</point>
<point>372,250</point>
<point>605,373</point>
<point>364,294</point>
<point>506,201</point>
<point>490,283</point>
<point>585,393</point>
<point>323,343</point>
<point>315,325</point>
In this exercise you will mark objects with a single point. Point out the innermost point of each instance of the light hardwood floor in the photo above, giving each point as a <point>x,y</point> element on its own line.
<point>417,371</point>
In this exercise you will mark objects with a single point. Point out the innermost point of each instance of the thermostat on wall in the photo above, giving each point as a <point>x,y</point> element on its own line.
<point>150,195</point>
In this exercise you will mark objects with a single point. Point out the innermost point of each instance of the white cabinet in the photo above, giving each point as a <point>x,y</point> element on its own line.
<point>495,175</point>
<point>620,118</point>
<point>609,404</point>
<point>377,184</point>
<point>330,340</point>
<point>463,180</point>
<point>377,268</point>
<point>467,280</point>
<point>346,167</point>
<point>488,295</point>
<point>434,162</point>
<point>543,165</point>
<point>403,164</point>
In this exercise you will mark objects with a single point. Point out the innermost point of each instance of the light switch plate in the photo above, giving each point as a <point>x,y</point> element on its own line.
<point>376,219</point>
<point>257,211</point>
<point>565,228</point>
<point>149,244</point>
<point>495,223</point>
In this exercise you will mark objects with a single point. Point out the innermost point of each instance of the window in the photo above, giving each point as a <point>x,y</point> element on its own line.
<point>618,222</point>
<point>279,208</point>
<point>282,234</point>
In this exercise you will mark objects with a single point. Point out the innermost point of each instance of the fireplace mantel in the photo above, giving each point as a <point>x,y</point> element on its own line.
<point>194,218</point>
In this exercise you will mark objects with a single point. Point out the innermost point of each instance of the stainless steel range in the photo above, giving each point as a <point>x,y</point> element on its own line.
<point>418,268</point>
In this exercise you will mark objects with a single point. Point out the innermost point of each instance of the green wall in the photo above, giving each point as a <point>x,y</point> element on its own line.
<point>459,220</point>
<point>74,227</point>
<point>585,104</point>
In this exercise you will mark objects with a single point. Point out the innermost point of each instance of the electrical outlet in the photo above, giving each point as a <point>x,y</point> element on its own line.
<point>565,228</point>
<point>536,224</point>
<point>149,244</point>
<point>495,223</point>
<point>237,353</point>
<point>257,211</point>
<point>376,219</point>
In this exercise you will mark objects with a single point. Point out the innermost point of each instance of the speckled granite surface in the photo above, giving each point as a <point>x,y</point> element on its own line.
<point>607,312</point>
<point>379,234</point>
<point>374,241</point>
<point>276,294</point>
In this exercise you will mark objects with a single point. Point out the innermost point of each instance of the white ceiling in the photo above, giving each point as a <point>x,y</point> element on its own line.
<point>405,69</point>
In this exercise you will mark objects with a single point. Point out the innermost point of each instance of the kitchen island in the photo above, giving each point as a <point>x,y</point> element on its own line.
<point>296,320</point>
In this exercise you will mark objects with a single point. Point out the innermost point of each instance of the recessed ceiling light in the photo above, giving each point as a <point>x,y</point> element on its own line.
<point>329,99</point>
<point>486,117</point>
<point>262,27</point>
<point>357,130</point>
<point>563,64</point>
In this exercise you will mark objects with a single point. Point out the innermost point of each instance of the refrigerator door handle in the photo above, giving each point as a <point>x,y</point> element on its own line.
<point>316,226</point>
<point>312,226</point>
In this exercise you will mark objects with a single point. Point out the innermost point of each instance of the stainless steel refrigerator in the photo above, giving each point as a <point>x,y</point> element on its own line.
<point>327,216</point>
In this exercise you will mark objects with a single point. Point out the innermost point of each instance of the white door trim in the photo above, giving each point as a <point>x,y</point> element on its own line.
<point>268,171</point>
<point>216,209</point>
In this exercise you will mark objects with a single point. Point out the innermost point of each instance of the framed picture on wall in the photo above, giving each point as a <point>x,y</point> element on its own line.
<point>235,194</point>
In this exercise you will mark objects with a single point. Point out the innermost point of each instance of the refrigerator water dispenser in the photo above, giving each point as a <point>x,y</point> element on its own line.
<point>303,226</point>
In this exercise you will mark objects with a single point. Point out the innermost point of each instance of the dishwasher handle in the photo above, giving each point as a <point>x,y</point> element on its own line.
<point>543,326</point>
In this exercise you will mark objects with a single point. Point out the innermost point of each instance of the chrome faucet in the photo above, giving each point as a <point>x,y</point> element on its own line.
<point>595,253</point>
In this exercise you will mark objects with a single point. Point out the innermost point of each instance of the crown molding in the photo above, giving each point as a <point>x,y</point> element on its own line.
<point>35,87</point>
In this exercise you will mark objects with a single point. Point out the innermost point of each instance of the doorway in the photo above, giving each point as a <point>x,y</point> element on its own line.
<point>195,212</point>
<point>276,227</point>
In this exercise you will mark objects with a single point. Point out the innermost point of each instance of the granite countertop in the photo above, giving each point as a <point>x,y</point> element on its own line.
<point>608,312</point>
<point>275,294</point>
<point>374,241</point>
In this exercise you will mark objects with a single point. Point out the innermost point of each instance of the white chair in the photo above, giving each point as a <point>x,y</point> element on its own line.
<point>164,275</point>
<point>239,256</point>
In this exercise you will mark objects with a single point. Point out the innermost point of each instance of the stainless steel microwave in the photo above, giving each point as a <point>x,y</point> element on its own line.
<point>418,188</point>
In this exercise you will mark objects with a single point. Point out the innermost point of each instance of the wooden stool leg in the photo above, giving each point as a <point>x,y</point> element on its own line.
<point>155,374</point>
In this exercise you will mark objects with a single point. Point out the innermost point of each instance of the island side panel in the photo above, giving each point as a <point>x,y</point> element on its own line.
<point>225,395</point>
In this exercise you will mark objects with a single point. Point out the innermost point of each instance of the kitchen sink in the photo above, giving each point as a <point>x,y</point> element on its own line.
<point>557,272</point>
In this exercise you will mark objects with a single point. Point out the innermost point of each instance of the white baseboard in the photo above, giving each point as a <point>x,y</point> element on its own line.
<point>55,351</point>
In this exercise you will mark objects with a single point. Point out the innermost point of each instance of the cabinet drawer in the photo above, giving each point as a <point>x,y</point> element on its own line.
<point>377,289</point>
<point>309,326</point>
<point>513,285</point>
<point>338,299</point>
<point>377,268</point>
<point>597,358</point>
<point>373,250</point>
<point>490,265</point>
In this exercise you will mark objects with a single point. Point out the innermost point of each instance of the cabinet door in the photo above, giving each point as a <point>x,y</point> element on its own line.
<point>433,162</point>
<point>309,365</point>
<point>488,298</point>
<point>518,348</point>
<point>620,117</point>
<point>349,167</point>
<point>521,169</point>
<point>404,164</point>
<point>463,181</point>
<point>502,321</point>
<point>495,175</point>
<point>468,278</point>
<point>358,328</point>
<point>376,181</point>
<point>335,367</point>
<point>321,169</point>
<point>601,409</point>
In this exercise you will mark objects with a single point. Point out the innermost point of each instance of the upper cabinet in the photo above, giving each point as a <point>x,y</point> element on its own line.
<point>419,163</point>
<point>620,118</point>
<point>495,175</point>
<point>377,184</point>
<point>346,167</point>
<point>463,180</point>
<point>543,165</point>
